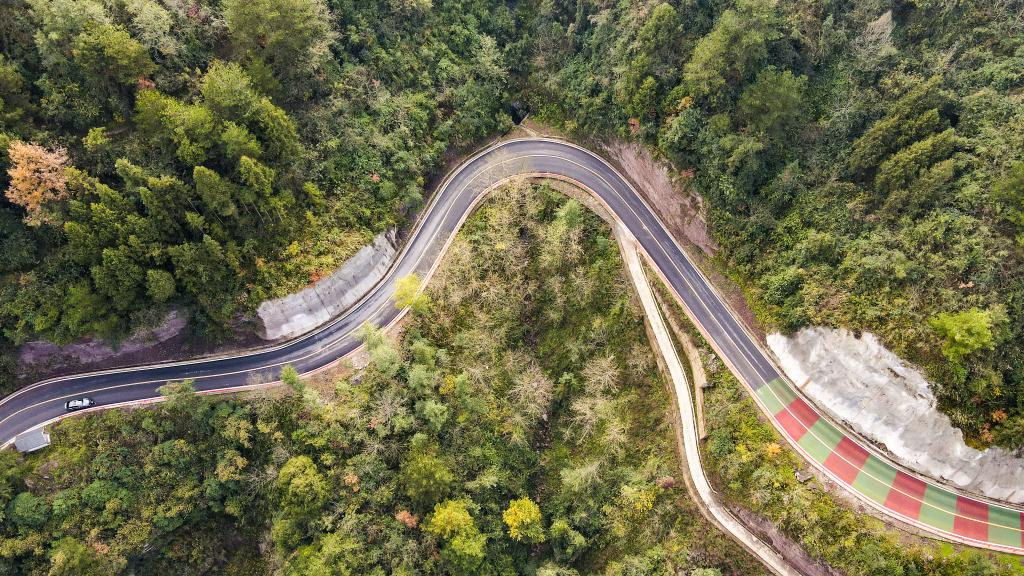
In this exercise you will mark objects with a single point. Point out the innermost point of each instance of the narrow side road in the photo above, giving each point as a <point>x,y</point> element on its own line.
<point>868,474</point>
<point>684,403</point>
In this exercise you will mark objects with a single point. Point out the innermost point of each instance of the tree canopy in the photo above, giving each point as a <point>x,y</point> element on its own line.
<point>858,168</point>
<point>549,454</point>
<point>206,157</point>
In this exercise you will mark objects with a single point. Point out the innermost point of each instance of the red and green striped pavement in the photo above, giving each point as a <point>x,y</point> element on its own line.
<point>900,495</point>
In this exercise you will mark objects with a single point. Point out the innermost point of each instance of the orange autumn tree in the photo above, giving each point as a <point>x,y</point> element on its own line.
<point>38,179</point>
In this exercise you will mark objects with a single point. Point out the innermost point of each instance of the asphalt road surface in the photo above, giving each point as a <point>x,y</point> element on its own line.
<point>868,474</point>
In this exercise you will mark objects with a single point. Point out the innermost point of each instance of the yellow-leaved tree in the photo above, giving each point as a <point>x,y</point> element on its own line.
<point>523,519</point>
<point>38,179</point>
<point>408,295</point>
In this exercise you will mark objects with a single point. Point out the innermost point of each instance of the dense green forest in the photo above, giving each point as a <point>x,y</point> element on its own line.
<point>214,154</point>
<point>518,426</point>
<point>861,161</point>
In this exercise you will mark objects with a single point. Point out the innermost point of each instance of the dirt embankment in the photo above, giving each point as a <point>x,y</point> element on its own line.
<point>789,549</point>
<point>680,208</point>
<point>39,358</point>
<point>683,212</point>
<point>168,341</point>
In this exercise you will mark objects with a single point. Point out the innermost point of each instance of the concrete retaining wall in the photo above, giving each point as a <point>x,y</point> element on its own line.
<point>307,309</point>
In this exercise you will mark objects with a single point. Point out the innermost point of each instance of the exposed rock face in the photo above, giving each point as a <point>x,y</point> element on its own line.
<point>94,350</point>
<point>859,382</point>
<point>303,311</point>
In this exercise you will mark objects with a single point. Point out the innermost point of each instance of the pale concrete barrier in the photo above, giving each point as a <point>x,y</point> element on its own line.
<point>305,310</point>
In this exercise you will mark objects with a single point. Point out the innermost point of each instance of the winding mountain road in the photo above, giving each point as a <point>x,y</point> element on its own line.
<point>867,474</point>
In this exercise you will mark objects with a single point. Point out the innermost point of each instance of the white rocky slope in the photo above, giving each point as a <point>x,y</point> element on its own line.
<point>859,382</point>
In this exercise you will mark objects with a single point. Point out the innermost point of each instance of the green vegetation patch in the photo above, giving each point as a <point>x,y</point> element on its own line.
<point>850,180</point>
<point>518,426</point>
<point>208,156</point>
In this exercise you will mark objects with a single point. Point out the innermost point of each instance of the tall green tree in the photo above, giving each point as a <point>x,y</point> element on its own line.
<point>291,39</point>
